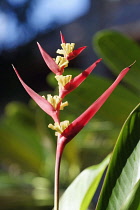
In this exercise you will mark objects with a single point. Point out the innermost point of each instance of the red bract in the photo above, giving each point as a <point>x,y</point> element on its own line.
<point>74,128</point>
<point>74,53</point>
<point>62,38</point>
<point>76,81</point>
<point>42,102</point>
<point>50,61</point>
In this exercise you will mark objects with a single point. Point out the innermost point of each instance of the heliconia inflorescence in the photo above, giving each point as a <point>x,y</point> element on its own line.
<point>66,131</point>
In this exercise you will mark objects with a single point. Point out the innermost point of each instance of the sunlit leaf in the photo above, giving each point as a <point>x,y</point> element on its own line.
<point>133,199</point>
<point>79,194</point>
<point>124,169</point>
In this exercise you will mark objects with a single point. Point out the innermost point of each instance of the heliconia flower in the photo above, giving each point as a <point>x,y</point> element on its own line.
<point>67,84</point>
<point>50,62</point>
<point>44,104</point>
<point>67,49</point>
<point>57,65</point>
<point>74,128</point>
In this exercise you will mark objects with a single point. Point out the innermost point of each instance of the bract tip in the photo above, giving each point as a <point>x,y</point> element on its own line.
<point>132,64</point>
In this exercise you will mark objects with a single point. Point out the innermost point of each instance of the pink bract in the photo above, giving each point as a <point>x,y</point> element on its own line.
<point>74,128</point>
<point>42,102</point>
<point>76,81</point>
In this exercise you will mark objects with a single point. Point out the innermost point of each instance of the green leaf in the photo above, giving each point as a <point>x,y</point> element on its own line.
<point>124,168</point>
<point>118,51</point>
<point>79,194</point>
<point>133,199</point>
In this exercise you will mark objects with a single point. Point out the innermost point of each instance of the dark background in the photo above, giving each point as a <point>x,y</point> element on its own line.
<point>23,23</point>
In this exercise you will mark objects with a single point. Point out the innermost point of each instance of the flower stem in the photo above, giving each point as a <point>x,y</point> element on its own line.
<point>59,151</point>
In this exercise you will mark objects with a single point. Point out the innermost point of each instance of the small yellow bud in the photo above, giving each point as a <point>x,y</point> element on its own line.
<point>62,105</point>
<point>67,48</point>
<point>61,61</point>
<point>59,127</point>
<point>43,97</point>
<point>63,80</point>
<point>55,100</point>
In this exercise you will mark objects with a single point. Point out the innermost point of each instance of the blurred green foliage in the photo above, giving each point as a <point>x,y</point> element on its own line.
<point>119,51</point>
<point>27,145</point>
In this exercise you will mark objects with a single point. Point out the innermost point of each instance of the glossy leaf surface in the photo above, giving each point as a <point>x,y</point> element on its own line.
<point>124,169</point>
<point>133,199</point>
<point>79,194</point>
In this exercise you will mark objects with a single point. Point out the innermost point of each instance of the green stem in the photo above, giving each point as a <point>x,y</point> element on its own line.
<point>59,151</point>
